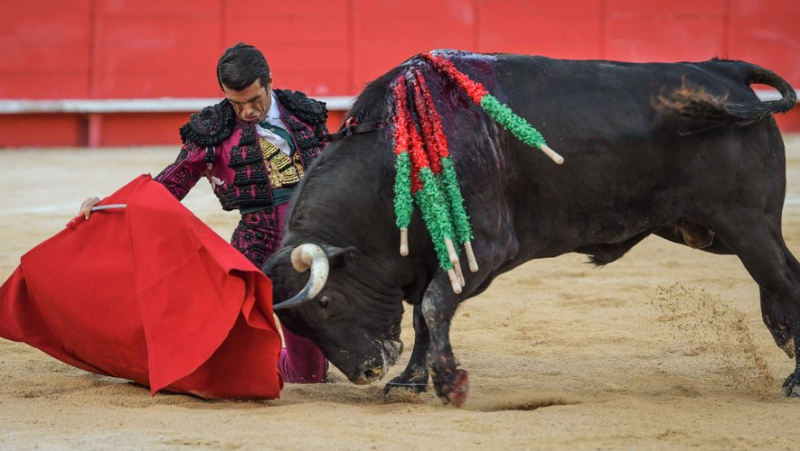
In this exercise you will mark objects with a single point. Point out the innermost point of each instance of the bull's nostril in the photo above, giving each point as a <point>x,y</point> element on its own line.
<point>371,374</point>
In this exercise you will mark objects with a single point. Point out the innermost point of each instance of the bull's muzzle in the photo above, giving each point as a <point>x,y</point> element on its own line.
<point>374,370</point>
<point>304,257</point>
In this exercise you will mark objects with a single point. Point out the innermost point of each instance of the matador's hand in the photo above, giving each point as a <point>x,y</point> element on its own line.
<point>86,206</point>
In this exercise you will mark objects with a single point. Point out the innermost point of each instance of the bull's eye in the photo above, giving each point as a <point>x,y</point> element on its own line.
<point>324,301</point>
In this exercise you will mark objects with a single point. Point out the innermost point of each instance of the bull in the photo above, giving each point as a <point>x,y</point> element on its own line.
<point>685,151</point>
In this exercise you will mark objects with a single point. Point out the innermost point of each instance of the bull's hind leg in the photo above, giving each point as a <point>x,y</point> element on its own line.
<point>415,376</point>
<point>771,309</point>
<point>777,322</point>
<point>782,317</point>
<point>761,248</point>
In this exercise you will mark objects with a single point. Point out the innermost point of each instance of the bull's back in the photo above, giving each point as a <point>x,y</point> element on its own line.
<point>628,166</point>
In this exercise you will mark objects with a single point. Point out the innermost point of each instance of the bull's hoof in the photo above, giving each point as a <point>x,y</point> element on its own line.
<point>416,385</point>
<point>790,388</point>
<point>457,393</point>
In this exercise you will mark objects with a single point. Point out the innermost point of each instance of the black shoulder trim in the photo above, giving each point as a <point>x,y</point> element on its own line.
<point>210,126</point>
<point>308,110</point>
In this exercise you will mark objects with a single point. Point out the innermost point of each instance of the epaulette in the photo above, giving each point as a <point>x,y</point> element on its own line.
<point>210,126</point>
<point>308,110</point>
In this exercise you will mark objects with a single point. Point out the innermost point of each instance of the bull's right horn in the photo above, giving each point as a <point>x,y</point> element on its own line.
<point>303,257</point>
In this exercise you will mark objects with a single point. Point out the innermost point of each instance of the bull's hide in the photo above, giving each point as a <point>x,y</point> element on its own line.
<point>685,151</point>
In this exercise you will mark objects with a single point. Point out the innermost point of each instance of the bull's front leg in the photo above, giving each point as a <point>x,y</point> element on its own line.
<point>450,382</point>
<point>415,376</point>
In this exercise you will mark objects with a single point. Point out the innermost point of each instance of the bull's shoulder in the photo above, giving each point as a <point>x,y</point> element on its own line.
<point>210,126</point>
<point>308,110</point>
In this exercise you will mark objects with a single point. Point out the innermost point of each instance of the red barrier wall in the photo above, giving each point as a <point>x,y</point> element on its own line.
<point>108,49</point>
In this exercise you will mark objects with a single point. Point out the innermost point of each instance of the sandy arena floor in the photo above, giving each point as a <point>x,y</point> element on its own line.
<point>664,349</point>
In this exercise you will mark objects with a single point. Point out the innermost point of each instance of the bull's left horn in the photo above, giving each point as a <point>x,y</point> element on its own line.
<point>303,257</point>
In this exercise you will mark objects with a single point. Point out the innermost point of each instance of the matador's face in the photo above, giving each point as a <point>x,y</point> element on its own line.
<point>251,103</point>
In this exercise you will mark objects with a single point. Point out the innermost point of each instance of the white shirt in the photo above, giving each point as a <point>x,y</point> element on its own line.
<point>274,118</point>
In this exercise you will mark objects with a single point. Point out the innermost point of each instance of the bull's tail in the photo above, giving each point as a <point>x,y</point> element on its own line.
<point>695,103</point>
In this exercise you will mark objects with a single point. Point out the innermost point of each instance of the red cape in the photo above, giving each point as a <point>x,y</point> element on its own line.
<point>148,293</point>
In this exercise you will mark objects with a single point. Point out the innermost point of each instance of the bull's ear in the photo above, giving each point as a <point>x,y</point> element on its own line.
<point>340,258</point>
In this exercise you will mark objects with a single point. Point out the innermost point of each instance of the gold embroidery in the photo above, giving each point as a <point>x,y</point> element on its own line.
<point>282,170</point>
<point>269,150</point>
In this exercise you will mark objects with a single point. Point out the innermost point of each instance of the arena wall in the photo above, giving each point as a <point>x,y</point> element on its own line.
<point>153,49</point>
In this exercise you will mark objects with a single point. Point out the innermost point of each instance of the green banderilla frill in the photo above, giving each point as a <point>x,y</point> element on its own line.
<point>403,203</point>
<point>450,186</point>
<point>436,214</point>
<point>517,125</point>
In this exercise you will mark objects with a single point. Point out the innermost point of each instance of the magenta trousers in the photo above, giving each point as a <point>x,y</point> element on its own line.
<point>258,236</point>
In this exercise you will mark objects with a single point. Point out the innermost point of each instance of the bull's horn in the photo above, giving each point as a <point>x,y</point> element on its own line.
<point>303,257</point>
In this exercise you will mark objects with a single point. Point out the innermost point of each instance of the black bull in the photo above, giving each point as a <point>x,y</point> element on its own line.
<point>685,151</point>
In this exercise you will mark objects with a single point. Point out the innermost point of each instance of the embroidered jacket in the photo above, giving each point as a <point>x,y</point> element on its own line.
<point>225,149</point>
